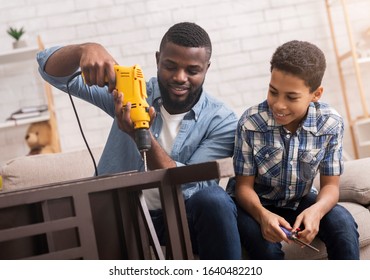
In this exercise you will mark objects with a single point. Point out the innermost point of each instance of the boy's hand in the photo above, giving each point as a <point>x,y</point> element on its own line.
<point>270,228</point>
<point>309,222</point>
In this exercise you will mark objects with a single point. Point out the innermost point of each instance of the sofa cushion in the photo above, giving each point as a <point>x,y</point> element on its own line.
<point>354,183</point>
<point>41,169</point>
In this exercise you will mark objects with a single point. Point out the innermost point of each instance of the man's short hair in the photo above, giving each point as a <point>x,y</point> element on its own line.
<point>302,59</point>
<point>187,34</point>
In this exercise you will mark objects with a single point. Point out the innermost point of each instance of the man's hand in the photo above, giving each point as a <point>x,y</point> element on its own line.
<point>123,114</point>
<point>156,156</point>
<point>94,60</point>
<point>97,65</point>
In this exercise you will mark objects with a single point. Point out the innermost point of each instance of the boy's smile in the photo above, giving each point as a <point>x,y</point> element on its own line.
<point>289,98</point>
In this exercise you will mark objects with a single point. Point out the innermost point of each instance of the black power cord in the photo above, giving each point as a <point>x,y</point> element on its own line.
<point>78,120</point>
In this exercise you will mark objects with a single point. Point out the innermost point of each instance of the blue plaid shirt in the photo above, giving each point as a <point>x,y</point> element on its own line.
<point>286,164</point>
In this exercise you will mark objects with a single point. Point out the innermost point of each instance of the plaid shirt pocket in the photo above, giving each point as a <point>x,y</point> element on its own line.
<point>309,161</point>
<point>268,160</point>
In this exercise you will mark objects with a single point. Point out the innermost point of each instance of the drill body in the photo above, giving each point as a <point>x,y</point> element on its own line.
<point>130,81</point>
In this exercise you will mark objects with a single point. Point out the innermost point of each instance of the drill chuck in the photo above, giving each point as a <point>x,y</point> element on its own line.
<point>142,139</point>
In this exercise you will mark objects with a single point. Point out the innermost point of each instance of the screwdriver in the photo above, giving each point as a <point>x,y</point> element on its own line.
<point>294,236</point>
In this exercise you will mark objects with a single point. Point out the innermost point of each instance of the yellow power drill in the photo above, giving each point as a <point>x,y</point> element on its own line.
<point>130,81</point>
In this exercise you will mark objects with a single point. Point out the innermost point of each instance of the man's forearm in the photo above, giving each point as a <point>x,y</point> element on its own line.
<point>64,61</point>
<point>158,158</point>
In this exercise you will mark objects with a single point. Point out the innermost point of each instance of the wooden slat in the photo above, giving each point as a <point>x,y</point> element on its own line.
<point>70,254</point>
<point>36,229</point>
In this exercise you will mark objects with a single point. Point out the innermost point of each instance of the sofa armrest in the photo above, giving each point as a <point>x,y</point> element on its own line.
<point>27,171</point>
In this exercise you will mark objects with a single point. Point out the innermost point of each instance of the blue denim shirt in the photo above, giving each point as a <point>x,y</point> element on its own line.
<point>206,132</point>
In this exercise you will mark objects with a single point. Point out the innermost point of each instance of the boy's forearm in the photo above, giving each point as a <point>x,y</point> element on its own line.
<point>328,196</point>
<point>251,204</point>
<point>247,197</point>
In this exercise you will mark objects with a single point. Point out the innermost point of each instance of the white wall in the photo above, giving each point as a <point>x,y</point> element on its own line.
<point>244,35</point>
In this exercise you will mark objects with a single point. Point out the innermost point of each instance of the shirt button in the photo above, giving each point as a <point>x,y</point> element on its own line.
<point>291,162</point>
<point>156,135</point>
<point>267,155</point>
<point>290,187</point>
<point>288,136</point>
<point>314,158</point>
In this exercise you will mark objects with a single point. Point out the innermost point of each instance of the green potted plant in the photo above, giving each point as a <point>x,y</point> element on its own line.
<point>17,34</point>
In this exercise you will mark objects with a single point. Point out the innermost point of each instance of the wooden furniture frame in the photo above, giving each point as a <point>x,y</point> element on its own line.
<point>103,217</point>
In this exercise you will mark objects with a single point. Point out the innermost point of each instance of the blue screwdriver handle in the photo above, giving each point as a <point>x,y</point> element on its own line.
<point>287,232</point>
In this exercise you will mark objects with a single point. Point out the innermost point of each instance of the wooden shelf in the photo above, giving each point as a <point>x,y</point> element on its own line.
<point>19,55</point>
<point>363,60</point>
<point>12,123</point>
<point>365,144</point>
<point>362,131</point>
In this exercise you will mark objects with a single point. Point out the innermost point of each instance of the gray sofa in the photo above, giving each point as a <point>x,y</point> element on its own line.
<point>27,171</point>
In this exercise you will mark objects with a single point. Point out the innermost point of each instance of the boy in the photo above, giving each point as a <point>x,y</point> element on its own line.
<point>280,146</point>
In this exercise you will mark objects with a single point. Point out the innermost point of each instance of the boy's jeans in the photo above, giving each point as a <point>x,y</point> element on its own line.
<point>212,224</point>
<point>338,230</point>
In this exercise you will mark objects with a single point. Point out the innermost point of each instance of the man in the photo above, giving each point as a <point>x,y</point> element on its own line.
<point>280,146</point>
<point>187,126</point>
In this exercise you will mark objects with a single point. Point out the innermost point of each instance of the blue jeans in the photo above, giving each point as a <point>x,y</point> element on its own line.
<point>338,231</point>
<point>211,215</point>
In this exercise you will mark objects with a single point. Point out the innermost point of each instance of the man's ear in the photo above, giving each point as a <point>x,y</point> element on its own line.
<point>317,94</point>
<point>157,54</point>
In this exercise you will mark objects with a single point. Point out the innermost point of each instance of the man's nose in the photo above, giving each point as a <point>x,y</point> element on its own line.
<point>180,76</point>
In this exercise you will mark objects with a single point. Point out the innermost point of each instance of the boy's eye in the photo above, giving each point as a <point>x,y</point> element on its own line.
<point>273,93</point>
<point>292,98</point>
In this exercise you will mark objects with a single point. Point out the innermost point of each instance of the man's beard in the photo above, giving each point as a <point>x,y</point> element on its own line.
<point>178,107</point>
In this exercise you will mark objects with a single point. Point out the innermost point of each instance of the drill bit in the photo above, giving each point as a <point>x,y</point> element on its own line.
<point>145,163</point>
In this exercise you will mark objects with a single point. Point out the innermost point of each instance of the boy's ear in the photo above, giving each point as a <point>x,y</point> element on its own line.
<point>317,94</point>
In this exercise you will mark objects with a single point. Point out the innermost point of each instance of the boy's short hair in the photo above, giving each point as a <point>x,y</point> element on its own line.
<point>187,34</point>
<point>302,59</point>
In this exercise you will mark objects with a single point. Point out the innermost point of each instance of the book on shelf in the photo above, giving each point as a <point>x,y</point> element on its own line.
<point>28,112</point>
